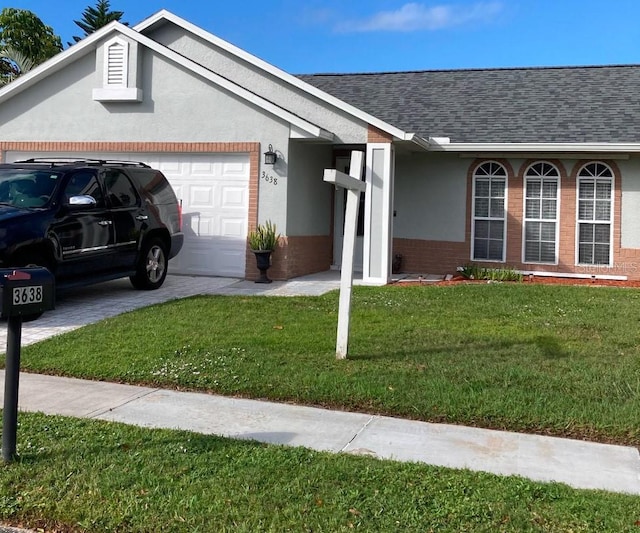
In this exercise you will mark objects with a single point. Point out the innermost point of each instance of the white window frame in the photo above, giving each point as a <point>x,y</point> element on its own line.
<point>552,173</point>
<point>491,176</point>
<point>581,178</point>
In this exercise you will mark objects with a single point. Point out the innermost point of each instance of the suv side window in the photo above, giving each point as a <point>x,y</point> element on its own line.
<point>120,191</point>
<point>84,182</point>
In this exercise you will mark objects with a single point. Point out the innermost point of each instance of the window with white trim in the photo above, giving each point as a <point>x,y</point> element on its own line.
<point>541,183</point>
<point>489,216</point>
<point>595,214</point>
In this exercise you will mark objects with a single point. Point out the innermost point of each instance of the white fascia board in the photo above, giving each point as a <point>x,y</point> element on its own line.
<point>271,69</point>
<point>297,133</point>
<point>536,147</point>
<point>58,61</point>
<point>228,85</point>
<point>415,139</point>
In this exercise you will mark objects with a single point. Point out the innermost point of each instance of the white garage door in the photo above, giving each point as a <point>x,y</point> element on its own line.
<point>214,190</point>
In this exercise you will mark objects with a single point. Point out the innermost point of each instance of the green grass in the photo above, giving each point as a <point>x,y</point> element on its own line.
<point>79,475</point>
<point>545,359</point>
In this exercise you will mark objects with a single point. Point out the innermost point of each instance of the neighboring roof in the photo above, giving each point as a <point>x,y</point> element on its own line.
<point>525,105</point>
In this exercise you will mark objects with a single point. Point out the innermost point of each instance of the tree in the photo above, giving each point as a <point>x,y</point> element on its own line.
<point>94,18</point>
<point>25,41</point>
<point>12,64</point>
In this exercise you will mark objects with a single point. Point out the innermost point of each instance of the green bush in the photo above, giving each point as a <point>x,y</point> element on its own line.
<point>264,237</point>
<point>472,271</point>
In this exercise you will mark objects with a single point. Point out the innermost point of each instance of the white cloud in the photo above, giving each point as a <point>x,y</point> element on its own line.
<point>415,17</point>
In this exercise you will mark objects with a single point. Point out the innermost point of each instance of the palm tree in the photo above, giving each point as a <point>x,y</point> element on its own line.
<point>13,63</point>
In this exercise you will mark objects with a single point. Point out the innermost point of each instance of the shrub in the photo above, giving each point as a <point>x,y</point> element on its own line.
<point>264,237</point>
<point>472,271</point>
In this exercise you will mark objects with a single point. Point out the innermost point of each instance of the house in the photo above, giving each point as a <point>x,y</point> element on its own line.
<point>535,169</point>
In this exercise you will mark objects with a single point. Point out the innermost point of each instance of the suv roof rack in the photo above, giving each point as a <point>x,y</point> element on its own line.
<point>68,161</point>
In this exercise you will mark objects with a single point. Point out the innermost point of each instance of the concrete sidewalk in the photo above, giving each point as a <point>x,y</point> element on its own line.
<point>579,464</point>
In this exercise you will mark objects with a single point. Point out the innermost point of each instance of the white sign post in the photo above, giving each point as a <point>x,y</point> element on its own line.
<point>354,186</point>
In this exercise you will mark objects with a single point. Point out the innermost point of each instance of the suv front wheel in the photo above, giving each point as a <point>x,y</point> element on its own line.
<point>151,270</point>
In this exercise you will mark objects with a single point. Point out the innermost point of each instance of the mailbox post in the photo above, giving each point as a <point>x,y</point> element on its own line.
<point>23,292</point>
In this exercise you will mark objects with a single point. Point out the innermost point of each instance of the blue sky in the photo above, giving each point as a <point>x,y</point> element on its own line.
<point>314,36</point>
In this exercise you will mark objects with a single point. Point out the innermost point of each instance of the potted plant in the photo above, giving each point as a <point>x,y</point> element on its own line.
<point>262,242</point>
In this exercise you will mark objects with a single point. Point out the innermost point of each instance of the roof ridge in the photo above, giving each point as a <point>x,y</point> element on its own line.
<point>472,69</point>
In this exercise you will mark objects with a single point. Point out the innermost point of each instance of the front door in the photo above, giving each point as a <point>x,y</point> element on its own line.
<point>342,164</point>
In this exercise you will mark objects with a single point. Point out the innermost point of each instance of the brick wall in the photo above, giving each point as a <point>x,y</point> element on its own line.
<point>441,257</point>
<point>295,256</point>
<point>374,135</point>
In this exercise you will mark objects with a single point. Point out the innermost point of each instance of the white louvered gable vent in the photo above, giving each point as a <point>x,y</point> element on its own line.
<point>116,64</point>
<point>119,81</point>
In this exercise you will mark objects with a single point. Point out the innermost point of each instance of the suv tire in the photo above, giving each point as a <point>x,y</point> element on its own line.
<point>152,266</point>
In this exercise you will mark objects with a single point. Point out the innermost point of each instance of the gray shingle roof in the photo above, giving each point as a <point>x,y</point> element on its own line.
<point>567,104</point>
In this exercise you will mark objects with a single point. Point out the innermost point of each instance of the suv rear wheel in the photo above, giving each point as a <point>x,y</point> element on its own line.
<point>152,266</point>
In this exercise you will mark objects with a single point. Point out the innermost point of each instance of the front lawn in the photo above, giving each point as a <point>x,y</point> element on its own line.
<point>531,358</point>
<point>80,475</point>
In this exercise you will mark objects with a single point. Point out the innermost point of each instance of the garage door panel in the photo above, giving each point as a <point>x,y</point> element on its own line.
<point>203,168</point>
<point>230,227</point>
<point>233,169</point>
<point>234,197</point>
<point>200,260</point>
<point>214,191</point>
<point>201,196</point>
<point>196,225</point>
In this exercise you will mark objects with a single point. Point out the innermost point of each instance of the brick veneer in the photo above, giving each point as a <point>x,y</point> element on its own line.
<point>295,256</point>
<point>441,257</point>
<point>374,135</point>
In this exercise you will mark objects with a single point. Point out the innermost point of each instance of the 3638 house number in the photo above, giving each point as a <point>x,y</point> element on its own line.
<point>269,178</point>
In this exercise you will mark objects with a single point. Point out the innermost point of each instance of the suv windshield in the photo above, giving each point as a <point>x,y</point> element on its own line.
<point>27,188</point>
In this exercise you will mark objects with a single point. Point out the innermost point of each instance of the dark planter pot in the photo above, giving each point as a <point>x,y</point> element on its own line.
<point>263,262</point>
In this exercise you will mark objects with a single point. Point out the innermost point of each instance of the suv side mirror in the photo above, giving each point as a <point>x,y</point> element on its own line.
<point>84,200</point>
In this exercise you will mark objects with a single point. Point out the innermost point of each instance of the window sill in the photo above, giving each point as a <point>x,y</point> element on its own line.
<point>120,94</point>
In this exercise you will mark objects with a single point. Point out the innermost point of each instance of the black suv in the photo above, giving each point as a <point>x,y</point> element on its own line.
<point>89,220</point>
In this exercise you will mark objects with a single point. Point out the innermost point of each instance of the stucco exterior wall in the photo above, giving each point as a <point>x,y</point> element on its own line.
<point>309,209</point>
<point>345,127</point>
<point>430,197</point>
<point>176,106</point>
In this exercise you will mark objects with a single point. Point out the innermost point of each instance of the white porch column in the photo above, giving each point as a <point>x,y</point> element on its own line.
<point>378,225</point>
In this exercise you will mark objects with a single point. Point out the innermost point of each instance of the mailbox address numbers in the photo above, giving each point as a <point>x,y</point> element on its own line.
<point>27,295</point>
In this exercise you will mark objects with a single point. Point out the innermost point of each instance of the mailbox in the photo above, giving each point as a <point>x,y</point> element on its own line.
<point>26,291</point>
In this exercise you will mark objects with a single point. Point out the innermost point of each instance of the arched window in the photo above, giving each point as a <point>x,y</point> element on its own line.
<point>595,214</point>
<point>489,216</point>
<point>542,185</point>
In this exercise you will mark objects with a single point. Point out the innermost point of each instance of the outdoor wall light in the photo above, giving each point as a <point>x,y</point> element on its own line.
<point>270,157</point>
